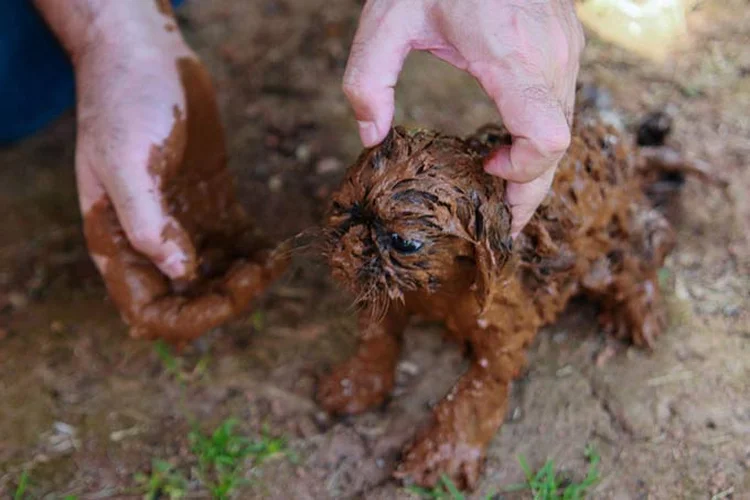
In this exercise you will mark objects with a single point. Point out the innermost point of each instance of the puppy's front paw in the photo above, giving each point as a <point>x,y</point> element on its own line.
<point>433,456</point>
<point>355,387</point>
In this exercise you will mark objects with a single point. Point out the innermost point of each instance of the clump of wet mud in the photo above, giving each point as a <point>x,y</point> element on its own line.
<point>229,263</point>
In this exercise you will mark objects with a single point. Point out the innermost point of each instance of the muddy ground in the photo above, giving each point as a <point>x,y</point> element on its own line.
<point>84,408</point>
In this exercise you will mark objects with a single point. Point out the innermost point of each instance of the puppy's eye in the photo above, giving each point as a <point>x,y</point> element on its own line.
<point>404,246</point>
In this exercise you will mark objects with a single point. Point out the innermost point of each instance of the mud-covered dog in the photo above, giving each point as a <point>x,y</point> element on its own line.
<point>418,228</point>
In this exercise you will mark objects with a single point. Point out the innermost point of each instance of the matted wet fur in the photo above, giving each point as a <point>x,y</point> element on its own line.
<point>418,227</point>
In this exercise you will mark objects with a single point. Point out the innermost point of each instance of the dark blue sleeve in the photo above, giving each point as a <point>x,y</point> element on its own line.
<point>36,78</point>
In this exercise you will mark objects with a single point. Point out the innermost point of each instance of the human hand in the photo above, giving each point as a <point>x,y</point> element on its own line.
<point>525,54</point>
<point>162,222</point>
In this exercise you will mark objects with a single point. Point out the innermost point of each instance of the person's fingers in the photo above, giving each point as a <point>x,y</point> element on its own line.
<point>375,61</point>
<point>540,128</point>
<point>180,319</point>
<point>136,198</point>
<point>525,198</point>
<point>132,280</point>
<point>150,230</point>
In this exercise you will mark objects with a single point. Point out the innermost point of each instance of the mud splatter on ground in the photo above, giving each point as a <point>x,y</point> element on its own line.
<point>85,408</point>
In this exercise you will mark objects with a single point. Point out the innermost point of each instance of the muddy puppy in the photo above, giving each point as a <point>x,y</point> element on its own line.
<point>418,228</point>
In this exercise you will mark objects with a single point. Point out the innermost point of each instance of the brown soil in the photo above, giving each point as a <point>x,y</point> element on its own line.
<point>85,407</point>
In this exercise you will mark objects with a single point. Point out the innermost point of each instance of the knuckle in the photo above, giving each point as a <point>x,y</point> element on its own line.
<point>563,54</point>
<point>145,240</point>
<point>554,143</point>
<point>352,90</point>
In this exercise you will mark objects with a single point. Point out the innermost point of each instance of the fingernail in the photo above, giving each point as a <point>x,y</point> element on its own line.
<point>174,265</point>
<point>369,133</point>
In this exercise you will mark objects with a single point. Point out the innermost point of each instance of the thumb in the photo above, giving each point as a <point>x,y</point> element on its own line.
<point>157,235</point>
<point>142,214</point>
<point>377,55</point>
<point>525,198</point>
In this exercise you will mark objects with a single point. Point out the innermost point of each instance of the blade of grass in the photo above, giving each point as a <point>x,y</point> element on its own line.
<point>23,484</point>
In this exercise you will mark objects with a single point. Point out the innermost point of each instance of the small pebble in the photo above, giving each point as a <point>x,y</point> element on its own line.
<point>303,153</point>
<point>322,419</point>
<point>18,300</point>
<point>565,371</point>
<point>64,428</point>
<point>517,414</point>
<point>408,368</point>
<point>328,166</point>
<point>275,183</point>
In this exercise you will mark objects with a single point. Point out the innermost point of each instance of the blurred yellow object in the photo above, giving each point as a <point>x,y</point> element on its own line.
<point>651,28</point>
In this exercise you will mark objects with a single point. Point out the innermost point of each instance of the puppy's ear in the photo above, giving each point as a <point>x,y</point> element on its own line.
<point>394,147</point>
<point>491,222</point>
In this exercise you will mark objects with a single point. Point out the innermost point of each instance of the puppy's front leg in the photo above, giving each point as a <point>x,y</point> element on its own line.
<point>468,417</point>
<point>366,379</point>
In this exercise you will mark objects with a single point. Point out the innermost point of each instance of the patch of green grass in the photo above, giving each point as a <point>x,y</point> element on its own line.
<point>258,320</point>
<point>692,90</point>
<point>172,364</point>
<point>23,484</point>
<point>165,481</point>
<point>175,365</point>
<point>445,490</point>
<point>222,454</point>
<point>665,276</point>
<point>545,484</point>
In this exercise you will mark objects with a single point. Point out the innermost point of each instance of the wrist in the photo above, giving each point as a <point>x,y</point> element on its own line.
<point>89,27</point>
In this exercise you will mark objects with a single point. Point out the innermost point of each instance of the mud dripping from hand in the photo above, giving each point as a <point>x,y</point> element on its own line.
<point>228,263</point>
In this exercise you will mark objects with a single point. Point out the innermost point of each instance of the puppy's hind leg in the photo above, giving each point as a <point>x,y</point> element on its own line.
<point>366,379</point>
<point>626,281</point>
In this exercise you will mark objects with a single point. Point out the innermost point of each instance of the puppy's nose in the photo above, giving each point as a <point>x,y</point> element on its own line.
<point>340,267</point>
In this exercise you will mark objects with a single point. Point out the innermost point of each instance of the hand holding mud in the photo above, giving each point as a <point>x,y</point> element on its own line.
<point>524,54</point>
<point>162,223</point>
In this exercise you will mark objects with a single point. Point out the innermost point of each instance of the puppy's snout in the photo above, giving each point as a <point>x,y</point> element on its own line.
<point>346,257</point>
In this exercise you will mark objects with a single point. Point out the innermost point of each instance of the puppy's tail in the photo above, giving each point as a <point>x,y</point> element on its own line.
<point>663,170</point>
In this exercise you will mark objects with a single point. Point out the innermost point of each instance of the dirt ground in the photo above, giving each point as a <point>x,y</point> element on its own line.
<point>84,407</point>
